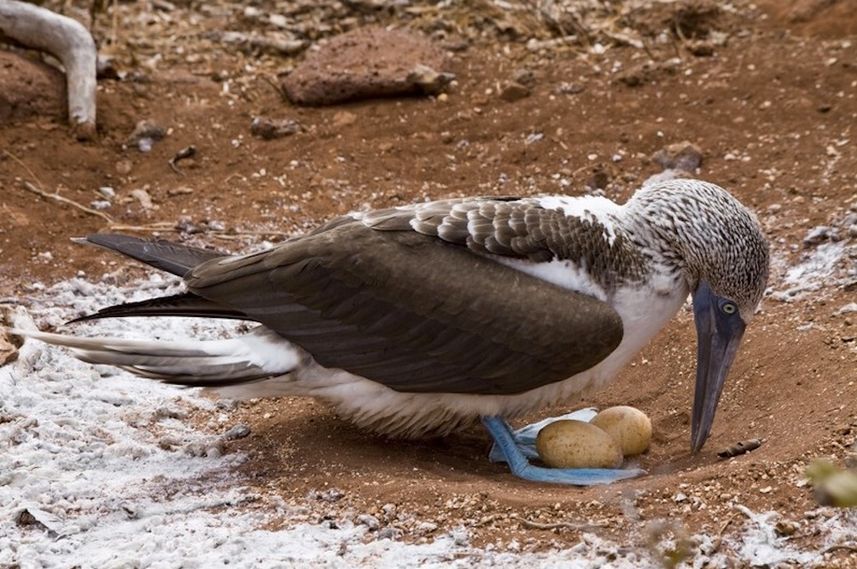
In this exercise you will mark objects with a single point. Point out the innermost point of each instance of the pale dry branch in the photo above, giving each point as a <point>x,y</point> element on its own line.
<point>68,40</point>
<point>62,199</point>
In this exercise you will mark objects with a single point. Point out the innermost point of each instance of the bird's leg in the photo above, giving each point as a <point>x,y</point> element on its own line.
<point>521,467</point>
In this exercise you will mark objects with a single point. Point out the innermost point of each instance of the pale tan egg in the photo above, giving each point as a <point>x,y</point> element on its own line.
<point>629,427</point>
<point>576,444</point>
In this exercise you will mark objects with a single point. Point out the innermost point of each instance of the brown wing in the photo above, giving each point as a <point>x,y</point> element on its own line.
<point>414,312</point>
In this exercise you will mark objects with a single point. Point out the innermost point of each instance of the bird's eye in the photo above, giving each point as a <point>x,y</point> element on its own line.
<point>729,308</point>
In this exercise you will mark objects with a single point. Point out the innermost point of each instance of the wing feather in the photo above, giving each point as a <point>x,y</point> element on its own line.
<point>413,311</point>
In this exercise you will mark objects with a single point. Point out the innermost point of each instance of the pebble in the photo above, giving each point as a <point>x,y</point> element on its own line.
<point>679,156</point>
<point>143,197</point>
<point>145,134</point>
<point>700,48</point>
<point>269,129</point>
<point>569,88</point>
<point>390,533</point>
<point>105,67</point>
<point>8,349</point>
<point>785,528</point>
<point>849,308</point>
<point>647,72</point>
<point>107,192</point>
<point>369,521</point>
<point>524,76</point>
<point>820,234</point>
<point>344,118</point>
<point>512,91</point>
<point>329,495</point>
<point>425,527</point>
<point>430,81</point>
<point>239,431</point>
<point>124,167</point>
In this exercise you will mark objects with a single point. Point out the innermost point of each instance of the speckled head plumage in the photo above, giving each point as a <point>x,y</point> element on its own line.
<point>709,235</point>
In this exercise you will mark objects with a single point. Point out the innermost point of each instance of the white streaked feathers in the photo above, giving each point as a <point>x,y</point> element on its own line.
<point>593,208</point>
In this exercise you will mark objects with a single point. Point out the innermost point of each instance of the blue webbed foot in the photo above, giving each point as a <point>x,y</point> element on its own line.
<point>515,448</point>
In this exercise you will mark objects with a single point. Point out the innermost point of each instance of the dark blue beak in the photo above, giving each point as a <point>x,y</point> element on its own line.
<point>719,329</point>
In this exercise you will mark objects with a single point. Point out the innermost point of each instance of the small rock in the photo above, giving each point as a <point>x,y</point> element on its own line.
<point>820,234</point>
<point>368,62</point>
<point>181,191</point>
<point>168,443</point>
<point>569,88</point>
<point>344,118</point>
<point>524,77</point>
<point>700,48</point>
<point>212,448</point>
<point>8,343</point>
<point>514,91</point>
<point>105,67</point>
<point>145,134</point>
<point>32,518</point>
<point>143,197</point>
<point>107,192</point>
<point>849,308</point>
<point>215,225</point>
<point>275,43</point>
<point>100,204</point>
<point>647,72</point>
<point>430,81</point>
<point>167,412</point>
<point>824,108</point>
<point>785,528</point>
<point>187,226</point>
<point>679,156</point>
<point>239,431</point>
<point>370,522</point>
<point>425,527</point>
<point>390,533</point>
<point>124,167</point>
<point>269,129</point>
<point>329,495</point>
<point>680,497</point>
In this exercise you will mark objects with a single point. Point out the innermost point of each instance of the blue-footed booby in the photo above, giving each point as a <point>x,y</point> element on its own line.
<point>426,318</point>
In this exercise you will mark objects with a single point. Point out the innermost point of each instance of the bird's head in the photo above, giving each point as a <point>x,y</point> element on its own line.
<point>719,248</point>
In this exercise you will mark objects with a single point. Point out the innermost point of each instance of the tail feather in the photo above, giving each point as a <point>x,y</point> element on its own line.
<point>187,304</point>
<point>165,255</point>
<point>256,356</point>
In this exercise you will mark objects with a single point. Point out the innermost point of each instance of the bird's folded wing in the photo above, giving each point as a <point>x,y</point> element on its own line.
<point>414,312</point>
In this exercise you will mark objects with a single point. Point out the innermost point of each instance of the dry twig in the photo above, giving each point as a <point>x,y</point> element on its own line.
<point>61,199</point>
<point>556,525</point>
<point>55,196</point>
<point>70,42</point>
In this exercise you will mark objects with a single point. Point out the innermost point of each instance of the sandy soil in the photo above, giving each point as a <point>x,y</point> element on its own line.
<point>772,111</point>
